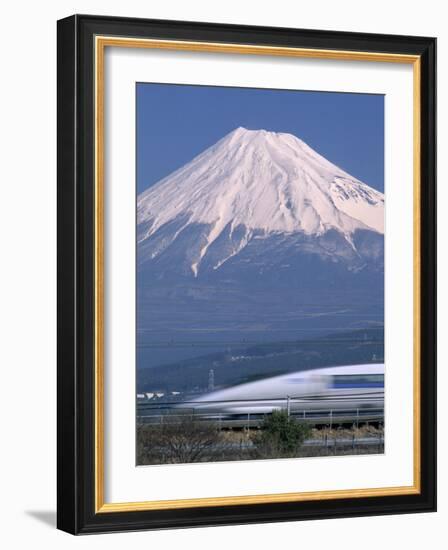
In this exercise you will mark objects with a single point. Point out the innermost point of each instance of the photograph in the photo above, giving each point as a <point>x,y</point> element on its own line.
<point>223,237</point>
<point>259,274</point>
<point>246,274</point>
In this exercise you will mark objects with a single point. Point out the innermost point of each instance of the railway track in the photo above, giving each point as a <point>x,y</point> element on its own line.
<point>319,417</point>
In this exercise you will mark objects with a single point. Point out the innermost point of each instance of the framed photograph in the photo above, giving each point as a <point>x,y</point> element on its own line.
<point>246,274</point>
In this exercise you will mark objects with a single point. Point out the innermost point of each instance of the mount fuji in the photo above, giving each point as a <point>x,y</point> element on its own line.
<point>259,234</point>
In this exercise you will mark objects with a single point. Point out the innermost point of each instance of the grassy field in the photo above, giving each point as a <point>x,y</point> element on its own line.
<point>190,441</point>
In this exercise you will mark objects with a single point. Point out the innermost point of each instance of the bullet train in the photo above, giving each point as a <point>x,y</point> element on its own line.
<point>342,387</point>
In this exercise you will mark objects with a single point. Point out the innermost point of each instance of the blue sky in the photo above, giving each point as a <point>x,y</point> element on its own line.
<point>176,122</point>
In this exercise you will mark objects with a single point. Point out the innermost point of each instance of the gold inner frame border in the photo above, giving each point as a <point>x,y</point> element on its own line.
<point>100,44</point>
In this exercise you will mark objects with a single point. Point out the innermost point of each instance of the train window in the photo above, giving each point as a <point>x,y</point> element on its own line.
<point>358,381</point>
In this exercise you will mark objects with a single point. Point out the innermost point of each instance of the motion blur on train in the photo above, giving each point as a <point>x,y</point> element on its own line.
<point>341,388</point>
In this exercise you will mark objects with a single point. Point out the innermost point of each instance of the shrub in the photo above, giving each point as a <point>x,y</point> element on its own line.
<point>280,436</point>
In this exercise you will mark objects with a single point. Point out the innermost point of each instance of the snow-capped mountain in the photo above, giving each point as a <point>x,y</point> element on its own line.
<point>258,201</point>
<point>257,239</point>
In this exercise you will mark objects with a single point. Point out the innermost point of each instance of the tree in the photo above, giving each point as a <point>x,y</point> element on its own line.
<point>178,440</point>
<point>280,436</point>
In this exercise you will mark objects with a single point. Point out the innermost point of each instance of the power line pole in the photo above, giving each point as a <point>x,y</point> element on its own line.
<point>211,380</point>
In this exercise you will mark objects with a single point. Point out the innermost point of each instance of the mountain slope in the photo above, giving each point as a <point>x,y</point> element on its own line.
<point>252,185</point>
<point>257,239</point>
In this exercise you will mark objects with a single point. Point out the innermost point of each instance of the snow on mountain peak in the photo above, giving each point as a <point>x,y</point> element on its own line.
<point>267,182</point>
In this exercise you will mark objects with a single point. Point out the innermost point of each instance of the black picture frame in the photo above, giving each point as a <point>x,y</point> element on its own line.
<point>76,475</point>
